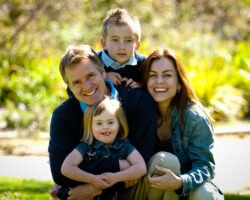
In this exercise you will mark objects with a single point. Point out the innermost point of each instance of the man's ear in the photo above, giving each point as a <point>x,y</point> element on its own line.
<point>103,42</point>
<point>104,74</point>
<point>137,46</point>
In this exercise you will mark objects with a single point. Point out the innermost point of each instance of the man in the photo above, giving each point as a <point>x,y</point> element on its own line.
<point>83,72</point>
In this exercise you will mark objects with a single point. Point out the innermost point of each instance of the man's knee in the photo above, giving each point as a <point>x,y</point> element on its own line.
<point>166,160</point>
<point>207,191</point>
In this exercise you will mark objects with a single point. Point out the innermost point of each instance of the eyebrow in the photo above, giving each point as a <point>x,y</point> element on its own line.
<point>169,70</point>
<point>116,36</point>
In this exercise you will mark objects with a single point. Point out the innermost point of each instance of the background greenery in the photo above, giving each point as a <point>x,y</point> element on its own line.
<point>210,37</point>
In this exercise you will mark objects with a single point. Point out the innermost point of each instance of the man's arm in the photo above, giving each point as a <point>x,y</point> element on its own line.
<point>141,115</point>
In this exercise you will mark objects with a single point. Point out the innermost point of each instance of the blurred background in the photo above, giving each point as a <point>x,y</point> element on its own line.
<point>210,37</point>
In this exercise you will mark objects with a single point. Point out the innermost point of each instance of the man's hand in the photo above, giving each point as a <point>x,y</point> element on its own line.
<point>84,192</point>
<point>114,77</point>
<point>53,191</point>
<point>131,183</point>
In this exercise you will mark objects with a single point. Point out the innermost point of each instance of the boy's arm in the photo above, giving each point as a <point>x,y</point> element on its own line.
<point>135,171</point>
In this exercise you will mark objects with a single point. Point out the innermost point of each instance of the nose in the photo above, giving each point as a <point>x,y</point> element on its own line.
<point>105,125</point>
<point>159,79</point>
<point>121,45</point>
<point>86,85</point>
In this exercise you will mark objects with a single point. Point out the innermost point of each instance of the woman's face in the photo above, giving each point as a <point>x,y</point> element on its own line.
<point>163,81</point>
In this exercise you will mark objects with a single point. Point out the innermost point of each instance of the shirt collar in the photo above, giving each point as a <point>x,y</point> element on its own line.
<point>109,62</point>
<point>114,94</point>
<point>115,145</point>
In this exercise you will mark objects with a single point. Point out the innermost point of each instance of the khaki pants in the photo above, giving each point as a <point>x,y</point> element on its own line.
<point>143,191</point>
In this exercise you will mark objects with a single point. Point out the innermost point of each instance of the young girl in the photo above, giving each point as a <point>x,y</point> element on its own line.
<point>104,137</point>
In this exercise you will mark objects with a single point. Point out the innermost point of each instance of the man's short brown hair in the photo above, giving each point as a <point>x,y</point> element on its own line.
<point>75,54</point>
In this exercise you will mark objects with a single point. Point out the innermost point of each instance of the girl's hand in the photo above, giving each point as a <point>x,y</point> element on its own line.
<point>110,178</point>
<point>100,182</point>
<point>169,181</point>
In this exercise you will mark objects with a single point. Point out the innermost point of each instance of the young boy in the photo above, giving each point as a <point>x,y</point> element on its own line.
<point>121,34</point>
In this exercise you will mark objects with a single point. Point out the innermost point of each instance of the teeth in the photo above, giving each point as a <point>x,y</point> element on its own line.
<point>160,89</point>
<point>106,133</point>
<point>90,93</point>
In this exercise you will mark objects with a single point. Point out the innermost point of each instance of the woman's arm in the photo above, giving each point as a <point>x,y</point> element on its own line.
<point>136,170</point>
<point>200,144</point>
<point>71,170</point>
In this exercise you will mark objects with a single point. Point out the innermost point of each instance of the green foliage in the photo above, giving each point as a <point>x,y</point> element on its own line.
<point>24,189</point>
<point>210,37</point>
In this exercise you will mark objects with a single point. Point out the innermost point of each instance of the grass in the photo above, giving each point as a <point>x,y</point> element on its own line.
<point>26,189</point>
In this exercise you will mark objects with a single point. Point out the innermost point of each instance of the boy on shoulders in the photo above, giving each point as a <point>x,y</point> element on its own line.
<point>121,33</point>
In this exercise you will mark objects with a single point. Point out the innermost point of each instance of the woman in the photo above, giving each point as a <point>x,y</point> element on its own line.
<point>184,164</point>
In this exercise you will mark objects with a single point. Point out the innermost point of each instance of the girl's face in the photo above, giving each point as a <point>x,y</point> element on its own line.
<point>163,81</point>
<point>105,127</point>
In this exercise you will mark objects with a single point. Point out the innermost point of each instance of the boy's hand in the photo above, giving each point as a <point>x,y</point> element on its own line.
<point>110,178</point>
<point>131,83</point>
<point>114,77</point>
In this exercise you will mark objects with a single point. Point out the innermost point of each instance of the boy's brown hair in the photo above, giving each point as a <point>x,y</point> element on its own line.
<point>120,17</point>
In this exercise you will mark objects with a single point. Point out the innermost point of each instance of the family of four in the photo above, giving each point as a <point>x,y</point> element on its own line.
<point>132,127</point>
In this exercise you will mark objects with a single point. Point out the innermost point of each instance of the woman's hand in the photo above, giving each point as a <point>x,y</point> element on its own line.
<point>84,192</point>
<point>169,181</point>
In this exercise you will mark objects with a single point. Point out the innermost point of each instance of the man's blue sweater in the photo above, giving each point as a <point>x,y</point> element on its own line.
<point>66,130</point>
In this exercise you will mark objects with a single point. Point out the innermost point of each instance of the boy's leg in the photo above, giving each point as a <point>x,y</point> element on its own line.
<point>207,191</point>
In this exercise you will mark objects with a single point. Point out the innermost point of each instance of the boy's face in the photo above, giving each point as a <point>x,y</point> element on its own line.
<point>120,43</point>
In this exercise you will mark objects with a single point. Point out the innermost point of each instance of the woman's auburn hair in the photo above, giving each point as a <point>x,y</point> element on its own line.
<point>186,97</point>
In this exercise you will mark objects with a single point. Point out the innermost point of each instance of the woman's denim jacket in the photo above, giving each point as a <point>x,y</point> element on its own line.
<point>192,145</point>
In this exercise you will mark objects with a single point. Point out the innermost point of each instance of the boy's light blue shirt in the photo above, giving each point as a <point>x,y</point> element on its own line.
<point>109,62</point>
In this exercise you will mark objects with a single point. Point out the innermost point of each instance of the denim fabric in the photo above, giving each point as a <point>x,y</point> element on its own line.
<point>192,144</point>
<point>97,150</point>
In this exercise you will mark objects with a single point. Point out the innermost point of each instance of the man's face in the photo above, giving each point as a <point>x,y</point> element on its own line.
<point>86,82</point>
<point>120,43</point>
